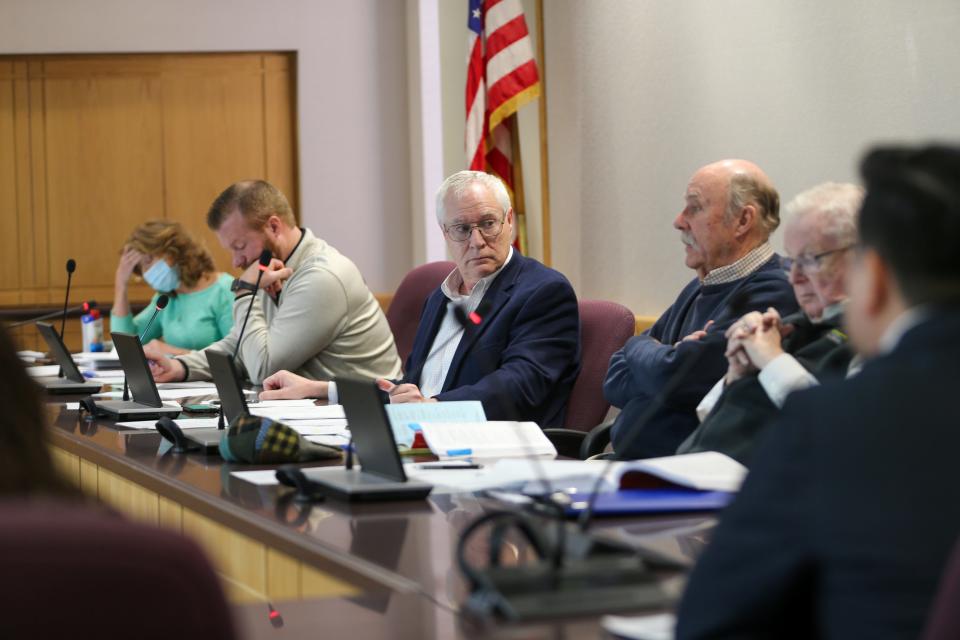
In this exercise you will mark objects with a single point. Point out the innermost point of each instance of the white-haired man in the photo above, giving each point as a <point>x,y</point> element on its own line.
<point>523,355</point>
<point>769,357</point>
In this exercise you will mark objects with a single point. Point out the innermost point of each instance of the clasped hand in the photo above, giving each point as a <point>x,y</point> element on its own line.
<point>753,341</point>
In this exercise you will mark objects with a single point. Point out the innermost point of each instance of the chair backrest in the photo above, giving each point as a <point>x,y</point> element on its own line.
<point>72,570</point>
<point>943,622</point>
<point>604,328</point>
<point>403,315</point>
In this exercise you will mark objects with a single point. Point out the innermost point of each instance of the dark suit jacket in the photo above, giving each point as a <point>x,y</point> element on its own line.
<point>848,515</point>
<point>659,409</point>
<point>523,359</point>
<point>744,410</point>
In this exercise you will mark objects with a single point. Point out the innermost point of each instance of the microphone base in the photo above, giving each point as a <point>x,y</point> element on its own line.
<point>579,588</point>
<point>597,576</point>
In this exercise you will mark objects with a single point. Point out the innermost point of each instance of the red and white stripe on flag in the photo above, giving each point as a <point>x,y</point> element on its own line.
<point>501,77</point>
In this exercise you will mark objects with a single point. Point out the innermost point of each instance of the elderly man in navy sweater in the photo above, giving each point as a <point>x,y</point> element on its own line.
<point>731,210</point>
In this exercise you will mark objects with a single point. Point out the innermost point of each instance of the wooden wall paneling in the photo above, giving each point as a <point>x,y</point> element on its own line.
<point>66,464</point>
<point>283,576</point>
<point>104,149</point>
<point>35,287</point>
<point>128,497</point>
<point>213,131</point>
<point>10,253</point>
<point>240,560</point>
<point>280,118</point>
<point>89,478</point>
<point>24,178</point>
<point>171,515</point>
<point>316,584</point>
<point>91,145</point>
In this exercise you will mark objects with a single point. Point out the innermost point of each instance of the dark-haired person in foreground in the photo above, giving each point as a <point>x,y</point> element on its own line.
<point>849,514</point>
<point>26,467</point>
<point>313,313</point>
<point>770,357</point>
<point>731,208</point>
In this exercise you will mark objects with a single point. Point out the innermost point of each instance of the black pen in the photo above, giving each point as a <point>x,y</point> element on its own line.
<point>449,466</point>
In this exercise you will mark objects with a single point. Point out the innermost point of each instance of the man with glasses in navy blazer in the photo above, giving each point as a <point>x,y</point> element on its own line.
<point>519,350</point>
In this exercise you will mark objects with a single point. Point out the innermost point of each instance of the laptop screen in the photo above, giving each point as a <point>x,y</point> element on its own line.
<point>370,428</point>
<point>60,352</point>
<point>136,369</point>
<point>228,384</point>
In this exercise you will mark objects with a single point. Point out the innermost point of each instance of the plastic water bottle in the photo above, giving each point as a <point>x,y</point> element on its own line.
<point>91,325</point>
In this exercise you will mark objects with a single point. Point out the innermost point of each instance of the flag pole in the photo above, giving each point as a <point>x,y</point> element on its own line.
<point>519,199</point>
<point>544,157</point>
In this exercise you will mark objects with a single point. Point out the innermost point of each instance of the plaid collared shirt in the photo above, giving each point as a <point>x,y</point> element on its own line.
<point>742,267</point>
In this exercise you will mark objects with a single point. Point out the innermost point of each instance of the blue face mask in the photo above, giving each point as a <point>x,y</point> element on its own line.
<point>162,277</point>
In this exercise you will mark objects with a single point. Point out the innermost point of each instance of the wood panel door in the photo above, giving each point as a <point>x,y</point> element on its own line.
<point>92,145</point>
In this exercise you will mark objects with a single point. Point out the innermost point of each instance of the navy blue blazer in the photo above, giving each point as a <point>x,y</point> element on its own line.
<point>849,514</point>
<point>523,359</point>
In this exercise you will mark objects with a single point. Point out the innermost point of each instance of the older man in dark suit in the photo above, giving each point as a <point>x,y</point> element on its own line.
<point>522,356</point>
<point>730,209</point>
<point>850,511</point>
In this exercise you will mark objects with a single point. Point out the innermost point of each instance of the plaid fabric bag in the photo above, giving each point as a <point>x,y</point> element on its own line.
<point>258,440</point>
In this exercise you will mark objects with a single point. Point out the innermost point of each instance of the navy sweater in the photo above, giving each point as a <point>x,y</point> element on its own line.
<point>640,370</point>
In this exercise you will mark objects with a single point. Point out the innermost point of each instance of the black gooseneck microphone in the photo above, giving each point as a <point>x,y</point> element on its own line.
<point>262,264</point>
<point>89,304</point>
<point>71,267</point>
<point>161,305</point>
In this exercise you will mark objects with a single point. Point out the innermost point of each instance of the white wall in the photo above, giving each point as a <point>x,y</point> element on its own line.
<point>642,93</point>
<point>352,95</point>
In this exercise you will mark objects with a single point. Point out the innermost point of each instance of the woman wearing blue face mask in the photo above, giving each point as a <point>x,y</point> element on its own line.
<point>200,310</point>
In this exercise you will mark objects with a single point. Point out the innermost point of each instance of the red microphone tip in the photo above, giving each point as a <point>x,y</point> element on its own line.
<point>274,614</point>
<point>475,317</point>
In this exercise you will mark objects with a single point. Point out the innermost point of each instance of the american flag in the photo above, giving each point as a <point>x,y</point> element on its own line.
<point>501,77</point>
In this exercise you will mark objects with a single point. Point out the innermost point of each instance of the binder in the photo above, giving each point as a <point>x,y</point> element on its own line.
<point>661,500</point>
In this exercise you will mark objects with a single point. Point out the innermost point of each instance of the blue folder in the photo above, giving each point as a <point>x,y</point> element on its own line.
<point>632,501</point>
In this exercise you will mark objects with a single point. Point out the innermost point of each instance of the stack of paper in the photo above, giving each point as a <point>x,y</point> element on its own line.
<point>706,471</point>
<point>166,394</point>
<point>307,419</point>
<point>487,439</point>
<point>97,360</point>
<point>405,419</point>
<point>184,423</point>
<point>44,371</point>
<point>656,627</point>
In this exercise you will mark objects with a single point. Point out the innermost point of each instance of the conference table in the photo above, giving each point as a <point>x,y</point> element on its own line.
<point>382,567</point>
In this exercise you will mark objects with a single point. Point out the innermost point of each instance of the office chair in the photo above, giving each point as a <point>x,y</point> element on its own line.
<point>403,315</point>
<point>604,328</point>
<point>74,570</point>
<point>943,622</point>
